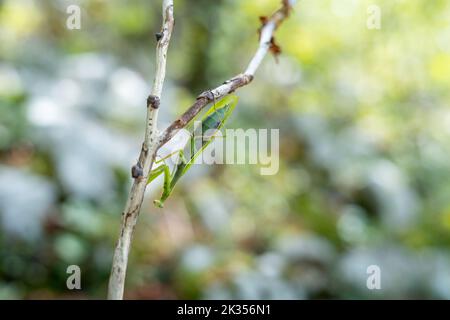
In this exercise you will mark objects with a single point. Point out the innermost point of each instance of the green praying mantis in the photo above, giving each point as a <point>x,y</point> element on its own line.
<point>212,121</point>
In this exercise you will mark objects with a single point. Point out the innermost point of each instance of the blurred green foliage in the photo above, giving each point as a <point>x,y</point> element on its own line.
<point>364,127</point>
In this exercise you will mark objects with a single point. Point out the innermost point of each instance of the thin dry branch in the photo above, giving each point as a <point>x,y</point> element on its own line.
<point>147,155</point>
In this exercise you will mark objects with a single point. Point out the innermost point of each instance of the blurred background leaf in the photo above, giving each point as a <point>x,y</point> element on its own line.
<point>364,123</point>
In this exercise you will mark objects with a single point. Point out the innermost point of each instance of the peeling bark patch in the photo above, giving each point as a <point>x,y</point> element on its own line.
<point>128,216</point>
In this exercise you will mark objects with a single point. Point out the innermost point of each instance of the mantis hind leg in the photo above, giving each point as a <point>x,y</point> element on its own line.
<point>170,180</point>
<point>166,187</point>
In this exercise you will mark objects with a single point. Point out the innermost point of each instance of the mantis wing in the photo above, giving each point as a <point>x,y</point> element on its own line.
<point>214,119</point>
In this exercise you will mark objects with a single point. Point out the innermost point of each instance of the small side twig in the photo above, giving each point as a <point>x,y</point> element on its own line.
<point>266,43</point>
